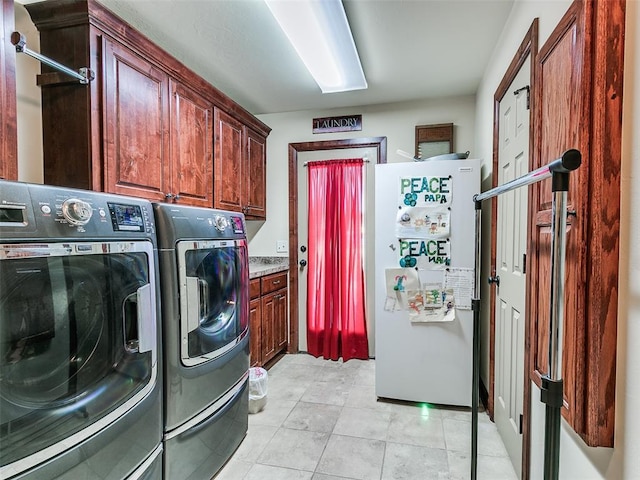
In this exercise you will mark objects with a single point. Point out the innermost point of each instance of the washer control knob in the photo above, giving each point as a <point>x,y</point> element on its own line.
<point>221,223</point>
<point>76,212</point>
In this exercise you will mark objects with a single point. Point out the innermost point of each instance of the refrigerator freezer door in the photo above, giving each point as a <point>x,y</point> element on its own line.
<point>424,362</point>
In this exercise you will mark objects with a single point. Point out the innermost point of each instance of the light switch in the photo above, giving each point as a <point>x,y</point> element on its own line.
<point>281,246</point>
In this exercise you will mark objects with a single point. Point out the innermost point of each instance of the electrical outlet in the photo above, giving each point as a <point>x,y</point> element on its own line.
<point>281,246</point>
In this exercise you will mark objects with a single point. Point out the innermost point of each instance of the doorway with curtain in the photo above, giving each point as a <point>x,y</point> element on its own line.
<point>374,150</point>
<point>336,314</point>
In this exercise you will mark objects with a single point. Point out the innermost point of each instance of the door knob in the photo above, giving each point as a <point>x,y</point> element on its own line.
<point>495,279</point>
<point>303,263</point>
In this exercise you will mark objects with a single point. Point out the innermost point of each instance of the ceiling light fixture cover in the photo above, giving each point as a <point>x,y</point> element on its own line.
<point>319,31</point>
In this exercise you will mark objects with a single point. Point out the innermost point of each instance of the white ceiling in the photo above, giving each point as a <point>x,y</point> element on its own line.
<point>410,49</point>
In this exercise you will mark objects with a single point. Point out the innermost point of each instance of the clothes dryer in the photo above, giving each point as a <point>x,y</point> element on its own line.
<point>80,381</point>
<point>205,310</point>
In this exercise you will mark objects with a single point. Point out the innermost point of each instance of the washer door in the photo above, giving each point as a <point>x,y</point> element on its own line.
<point>214,280</point>
<point>76,350</point>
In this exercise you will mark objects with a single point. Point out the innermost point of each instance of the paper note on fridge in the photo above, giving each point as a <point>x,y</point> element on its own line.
<point>424,191</point>
<point>426,254</point>
<point>421,310</point>
<point>423,222</point>
<point>398,281</point>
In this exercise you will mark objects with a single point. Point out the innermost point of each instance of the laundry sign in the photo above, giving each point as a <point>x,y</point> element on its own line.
<point>348,123</point>
<point>427,254</point>
<point>424,191</point>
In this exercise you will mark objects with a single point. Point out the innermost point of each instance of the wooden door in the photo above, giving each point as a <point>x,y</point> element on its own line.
<point>280,319</point>
<point>255,332</point>
<point>229,170</point>
<point>268,327</point>
<point>136,130</point>
<point>191,147</point>
<point>255,180</point>
<point>8,116</point>
<point>510,323</point>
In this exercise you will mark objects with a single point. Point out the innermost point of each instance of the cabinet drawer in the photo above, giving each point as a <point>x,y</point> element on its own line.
<point>274,282</point>
<point>254,288</point>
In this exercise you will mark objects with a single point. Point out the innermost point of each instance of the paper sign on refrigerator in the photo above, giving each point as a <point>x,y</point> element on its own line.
<point>426,254</point>
<point>425,191</point>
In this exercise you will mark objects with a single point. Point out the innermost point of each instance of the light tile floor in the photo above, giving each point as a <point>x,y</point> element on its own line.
<point>323,421</point>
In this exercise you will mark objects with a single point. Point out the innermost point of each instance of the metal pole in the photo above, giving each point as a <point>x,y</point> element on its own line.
<point>475,306</point>
<point>85,75</point>
<point>552,388</point>
<point>570,160</point>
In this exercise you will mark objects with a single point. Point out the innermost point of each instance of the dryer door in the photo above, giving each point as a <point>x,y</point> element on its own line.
<point>77,343</point>
<point>214,301</point>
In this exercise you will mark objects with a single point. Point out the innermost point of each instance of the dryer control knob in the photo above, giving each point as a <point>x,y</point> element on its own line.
<point>221,223</point>
<point>76,211</point>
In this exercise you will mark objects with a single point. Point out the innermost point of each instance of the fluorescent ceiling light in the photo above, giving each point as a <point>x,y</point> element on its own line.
<point>320,33</point>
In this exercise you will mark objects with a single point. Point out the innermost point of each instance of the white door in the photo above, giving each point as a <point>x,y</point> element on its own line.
<point>513,162</point>
<point>371,154</point>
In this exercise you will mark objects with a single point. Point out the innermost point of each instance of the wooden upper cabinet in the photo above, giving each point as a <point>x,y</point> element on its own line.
<point>137,116</point>
<point>239,167</point>
<point>191,146</point>
<point>229,168</point>
<point>145,125</point>
<point>8,116</point>
<point>578,104</point>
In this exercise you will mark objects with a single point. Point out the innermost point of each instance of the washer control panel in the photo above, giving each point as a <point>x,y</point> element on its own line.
<point>65,212</point>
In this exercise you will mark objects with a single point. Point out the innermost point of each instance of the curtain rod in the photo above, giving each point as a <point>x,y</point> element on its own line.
<point>84,75</point>
<point>365,160</point>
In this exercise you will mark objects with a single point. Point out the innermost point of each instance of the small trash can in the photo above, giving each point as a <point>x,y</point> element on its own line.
<point>257,389</point>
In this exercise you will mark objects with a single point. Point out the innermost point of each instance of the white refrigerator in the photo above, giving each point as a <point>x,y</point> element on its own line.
<point>424,251</point>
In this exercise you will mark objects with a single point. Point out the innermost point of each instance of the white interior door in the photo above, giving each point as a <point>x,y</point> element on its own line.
<point>513,162</point>
<point>371,154</point>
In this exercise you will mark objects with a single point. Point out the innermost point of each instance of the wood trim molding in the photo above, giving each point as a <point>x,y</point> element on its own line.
<point>380,143</point>
<point>528,49</point>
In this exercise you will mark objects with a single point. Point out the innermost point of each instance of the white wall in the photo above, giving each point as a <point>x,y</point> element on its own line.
<point>578,461</point>
<point>394,121</point>
<point>28,103</point>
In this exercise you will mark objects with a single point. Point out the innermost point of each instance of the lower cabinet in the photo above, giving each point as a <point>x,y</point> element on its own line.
<point>268,317</point>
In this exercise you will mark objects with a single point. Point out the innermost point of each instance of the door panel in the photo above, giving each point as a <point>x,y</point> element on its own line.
<point>228,162</point>
<point>136,114</point>
<point>513,162</point>
<point>192,146</point>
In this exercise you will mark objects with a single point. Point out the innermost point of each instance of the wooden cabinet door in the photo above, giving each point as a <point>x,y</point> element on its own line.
<point>268,333</point>
<point>255,331</point>
<point>8,118</point>
<point>229,172</point>
<point>280,319</point>
<point>191,147</point>
<point>255,180</point>
<point>136,125</point>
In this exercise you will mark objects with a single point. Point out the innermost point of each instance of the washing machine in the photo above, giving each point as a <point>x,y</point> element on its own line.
<point>80,374</point>
<point>204,278</point>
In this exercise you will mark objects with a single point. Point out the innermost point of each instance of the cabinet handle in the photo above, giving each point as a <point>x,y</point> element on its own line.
<point>177,197</point>
<point>168,196</point>
<point>276,282</point>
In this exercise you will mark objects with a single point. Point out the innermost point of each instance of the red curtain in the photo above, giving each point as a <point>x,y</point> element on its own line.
<point>336,321</point>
